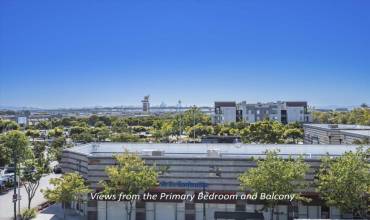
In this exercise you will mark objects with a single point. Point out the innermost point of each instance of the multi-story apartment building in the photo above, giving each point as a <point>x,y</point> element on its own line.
<point>335,133</point>
<point>193,169</point>
<point>284,112</point>
<point>225,112</point>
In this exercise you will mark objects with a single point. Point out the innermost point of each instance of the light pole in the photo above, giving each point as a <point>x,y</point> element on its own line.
<point>19,195</point>
<point>180,123</point>
<point>204,202</point>
<point>194,124</point>
<point>14,185</point>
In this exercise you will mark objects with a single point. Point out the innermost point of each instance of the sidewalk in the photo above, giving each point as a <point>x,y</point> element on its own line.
<point>6,204</point>
<point>55,212</point>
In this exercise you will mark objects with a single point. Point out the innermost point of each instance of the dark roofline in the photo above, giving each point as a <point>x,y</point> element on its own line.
<point>225,104</point>
<point>296,104</point>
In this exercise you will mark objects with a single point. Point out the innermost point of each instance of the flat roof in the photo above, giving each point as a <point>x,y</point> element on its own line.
<point>362,133</point>
<point>339,126</point>
<point>201,150</point>
<point>225,104</point>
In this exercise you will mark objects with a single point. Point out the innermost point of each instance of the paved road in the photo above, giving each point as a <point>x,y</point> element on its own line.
<point>6,203</point>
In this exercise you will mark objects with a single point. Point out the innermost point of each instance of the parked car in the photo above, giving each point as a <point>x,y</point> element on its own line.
<point>8,177</point>
<point>9,170</point>
<point>2,183</point>
<point>57,169</point>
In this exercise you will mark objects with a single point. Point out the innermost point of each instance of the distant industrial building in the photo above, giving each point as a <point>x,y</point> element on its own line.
<point>284,112</point>
<point>146,104</point>
<point>335,133</point>
<point>193,169</point>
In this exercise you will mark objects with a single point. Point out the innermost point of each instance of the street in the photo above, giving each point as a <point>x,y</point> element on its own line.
<point>6,203</point>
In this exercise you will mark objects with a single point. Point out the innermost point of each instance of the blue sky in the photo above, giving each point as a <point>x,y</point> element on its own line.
<point>109,53</point>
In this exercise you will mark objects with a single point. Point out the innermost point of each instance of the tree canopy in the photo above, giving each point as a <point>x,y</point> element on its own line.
<point>70,187</point>
<point>275,175</point>
<point>344,181</point>
<point>130,176</point>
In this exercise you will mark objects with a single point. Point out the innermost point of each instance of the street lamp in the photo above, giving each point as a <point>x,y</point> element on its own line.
<point>204,202</point>
<point>194,124</point>
<point>14,184</point>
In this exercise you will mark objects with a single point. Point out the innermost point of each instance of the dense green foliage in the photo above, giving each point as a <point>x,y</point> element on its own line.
<point>70,187</point>
<point>131,176</point>
<point>359,116</point>
<point>274,175</point>
<point>31,177</point>
<point>28,214</point>
<point>7,125</point>
<point>344,182</point>
<point>55,134</point>
<point>14,146</point>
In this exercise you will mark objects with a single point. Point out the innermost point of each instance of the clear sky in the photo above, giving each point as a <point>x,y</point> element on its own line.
<point>107,53</point>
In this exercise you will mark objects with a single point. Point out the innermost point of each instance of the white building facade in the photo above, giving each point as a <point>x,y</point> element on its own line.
<point>284,112</point>
<point>194,169</point>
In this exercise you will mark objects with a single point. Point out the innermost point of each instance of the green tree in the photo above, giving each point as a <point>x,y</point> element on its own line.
<point>194,116</point>
<point>6,153</point>
<point>293,135</point>
<point>38,149</point>
<point>75,130</point>
<point>33,133</point>
<point>84,137</point>
<point>199,130</point>
<point>102,134</point>
<point>119,125</point>
<point>56,132</point>
<point>7,125</point>
<point>17,143</point>
<point>264,132</point>
<point>68,188</point>
<point>170,128</point>
<point>344,181</point>
<point>44,125</point>
<point>67,122</point>
<point>356,116</point>
<point>131,176</point>
<point>275,175</point>
<point>31,177</point>
<point>125,137</point>
<point>56,148</point>
<point>365,141</point>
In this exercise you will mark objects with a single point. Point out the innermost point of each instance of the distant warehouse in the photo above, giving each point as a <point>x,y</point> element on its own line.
<point>191,170</point>
<point>336,134</point>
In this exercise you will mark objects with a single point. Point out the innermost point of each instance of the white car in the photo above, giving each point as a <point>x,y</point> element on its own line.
<point>8,177</point>
<point>2,182</point>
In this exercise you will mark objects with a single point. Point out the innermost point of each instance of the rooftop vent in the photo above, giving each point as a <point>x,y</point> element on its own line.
<point>152,152</point>
<point>214,153</point>
<point>95,147</point>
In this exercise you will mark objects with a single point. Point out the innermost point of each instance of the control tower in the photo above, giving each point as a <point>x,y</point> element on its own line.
<point>146,104</point>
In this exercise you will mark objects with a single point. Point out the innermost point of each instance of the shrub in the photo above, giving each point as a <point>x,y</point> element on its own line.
<point>28,214</point>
